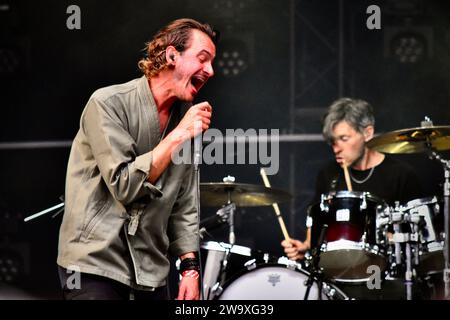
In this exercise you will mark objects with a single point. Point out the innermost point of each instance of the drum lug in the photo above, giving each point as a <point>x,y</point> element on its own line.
<point>308,259</point>
<point>217,289</point>
<point>323,203</point>
<point>250,264</point>
<point>363,205</point>
<point>437,208</point>
<point>291,265</point>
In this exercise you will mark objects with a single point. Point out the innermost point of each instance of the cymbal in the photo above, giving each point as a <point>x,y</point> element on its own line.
<point>215,194</point>
<point>413,140</point>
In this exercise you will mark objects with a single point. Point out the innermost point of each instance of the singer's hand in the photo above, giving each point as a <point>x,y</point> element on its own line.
<point>196,120</point>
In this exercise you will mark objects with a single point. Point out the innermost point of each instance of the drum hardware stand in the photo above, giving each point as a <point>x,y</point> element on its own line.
<point>221,217</point>
<point>41,213</point>
<point>214,259</point>
<point>224,265</point>
<point>316,272</point>
<point>398,217</point>
<point>227,213</point>
<point>230,208</point>
<point>446,192</point>
<point>414,221</point>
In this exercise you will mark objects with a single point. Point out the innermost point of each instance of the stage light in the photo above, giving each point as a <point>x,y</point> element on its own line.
<point>409,47</point>
<point>234,58</point>
<point>11,266</point>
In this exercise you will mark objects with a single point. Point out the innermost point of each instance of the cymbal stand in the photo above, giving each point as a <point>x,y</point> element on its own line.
<point>231,236</point>
<point>214,259</point>
<point>398,218</point>
<point>446,193</point>
<point>316,273</point>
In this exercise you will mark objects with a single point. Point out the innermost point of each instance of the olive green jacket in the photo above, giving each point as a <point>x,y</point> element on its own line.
<point>116,224</point>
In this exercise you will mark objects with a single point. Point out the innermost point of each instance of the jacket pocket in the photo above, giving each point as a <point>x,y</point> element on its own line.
<point>91,224</point>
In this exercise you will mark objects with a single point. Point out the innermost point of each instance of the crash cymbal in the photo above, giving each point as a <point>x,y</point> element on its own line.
<point>216,194</point>
<point>413,140</point>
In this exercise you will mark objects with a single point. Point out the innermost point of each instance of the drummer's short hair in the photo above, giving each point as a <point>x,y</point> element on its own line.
<point>356,112</point>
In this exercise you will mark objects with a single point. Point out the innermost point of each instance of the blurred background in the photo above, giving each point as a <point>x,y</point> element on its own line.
<point>279,65</point>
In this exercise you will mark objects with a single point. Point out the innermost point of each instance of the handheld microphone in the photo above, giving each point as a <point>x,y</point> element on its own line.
<point>198,141</point>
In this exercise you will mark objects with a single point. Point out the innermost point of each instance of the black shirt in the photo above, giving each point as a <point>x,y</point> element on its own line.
<point>392,180</point>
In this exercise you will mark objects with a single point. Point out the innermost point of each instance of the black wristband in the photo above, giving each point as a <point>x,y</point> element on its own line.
<point>189,264</point>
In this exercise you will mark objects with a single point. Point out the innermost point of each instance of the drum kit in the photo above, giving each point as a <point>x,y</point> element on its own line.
<point>356,238</point>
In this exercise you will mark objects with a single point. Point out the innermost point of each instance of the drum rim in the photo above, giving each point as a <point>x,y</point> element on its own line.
<point>223,246</point>
<point>344,244</point>
<point>356,195</point>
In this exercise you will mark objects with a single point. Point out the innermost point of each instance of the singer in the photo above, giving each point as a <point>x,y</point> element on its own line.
<point>128,206</point>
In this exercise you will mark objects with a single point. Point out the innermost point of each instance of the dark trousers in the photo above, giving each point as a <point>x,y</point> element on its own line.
<point>93,287</point>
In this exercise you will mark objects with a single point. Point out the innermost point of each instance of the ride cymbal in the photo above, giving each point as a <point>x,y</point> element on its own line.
<point>413,140</point>
<point>216,194</point>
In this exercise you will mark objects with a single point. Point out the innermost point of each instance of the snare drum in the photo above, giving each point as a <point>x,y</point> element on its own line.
<point>213,255</point>
<point>284,280</point>
<point>352,242</point>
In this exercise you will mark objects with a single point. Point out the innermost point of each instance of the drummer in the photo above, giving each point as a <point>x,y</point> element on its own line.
<point>347,126</point>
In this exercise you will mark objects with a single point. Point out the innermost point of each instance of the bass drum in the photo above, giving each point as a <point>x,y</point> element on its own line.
<point>276,281</point>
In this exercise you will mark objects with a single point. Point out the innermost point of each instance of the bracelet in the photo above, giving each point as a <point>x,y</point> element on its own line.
<point>189,264</point>
<point>191,274</point>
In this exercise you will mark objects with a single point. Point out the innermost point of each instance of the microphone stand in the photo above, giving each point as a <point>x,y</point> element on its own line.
<point>198,140</point>
<point>316,272</point>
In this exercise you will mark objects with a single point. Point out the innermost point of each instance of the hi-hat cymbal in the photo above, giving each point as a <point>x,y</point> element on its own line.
<point>413,140</point>
<point>216,194</point>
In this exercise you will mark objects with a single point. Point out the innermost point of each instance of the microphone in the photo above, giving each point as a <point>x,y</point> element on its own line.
<point>198,143</point>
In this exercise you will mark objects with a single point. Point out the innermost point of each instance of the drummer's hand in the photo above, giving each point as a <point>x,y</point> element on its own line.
<point>295,249</point>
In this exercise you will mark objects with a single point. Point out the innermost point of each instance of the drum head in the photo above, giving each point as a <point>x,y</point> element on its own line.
<point>347,261</point>
<point>275,282</point>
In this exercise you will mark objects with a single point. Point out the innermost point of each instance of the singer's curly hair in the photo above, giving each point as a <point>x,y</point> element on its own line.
<point>176,33</point>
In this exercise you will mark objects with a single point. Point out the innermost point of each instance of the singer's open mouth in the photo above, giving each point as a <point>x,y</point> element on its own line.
<point>198,81</point>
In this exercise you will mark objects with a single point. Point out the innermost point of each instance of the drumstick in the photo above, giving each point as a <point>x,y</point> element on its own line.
<point>275,206</point>
<point>347,177</point>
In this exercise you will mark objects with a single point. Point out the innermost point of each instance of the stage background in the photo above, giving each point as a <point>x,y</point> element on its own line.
<point>296,58</point>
